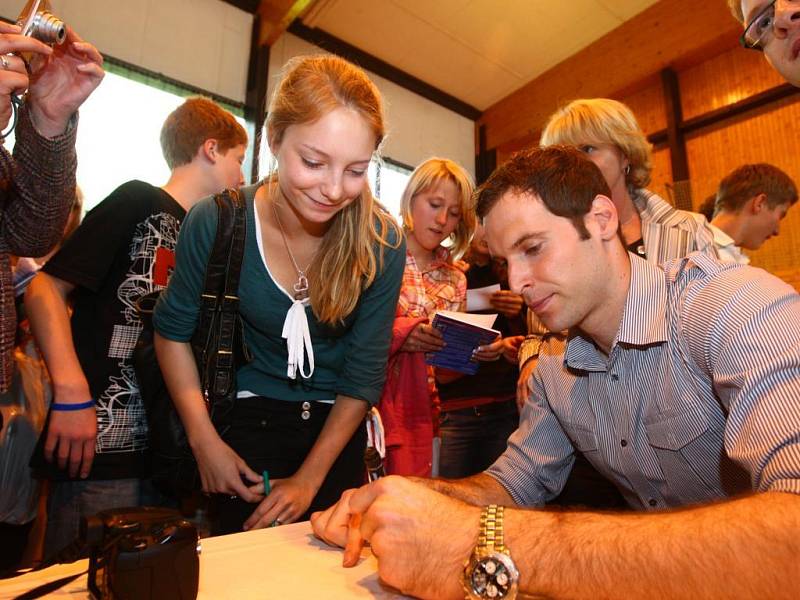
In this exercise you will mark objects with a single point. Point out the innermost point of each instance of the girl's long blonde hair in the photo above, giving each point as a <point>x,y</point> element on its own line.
<point>428,175</point>
<point>351,253</point>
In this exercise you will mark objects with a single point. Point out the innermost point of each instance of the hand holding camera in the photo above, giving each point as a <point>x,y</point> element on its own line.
<point>58,76</point>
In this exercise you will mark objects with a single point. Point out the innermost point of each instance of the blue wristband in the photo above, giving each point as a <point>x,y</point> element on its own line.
<point>69,407</point>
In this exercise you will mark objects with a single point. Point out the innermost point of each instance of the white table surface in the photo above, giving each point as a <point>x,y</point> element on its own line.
<point>280,562</point>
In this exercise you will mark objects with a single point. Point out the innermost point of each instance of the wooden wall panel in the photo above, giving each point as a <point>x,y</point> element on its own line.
<point>670,33</point>
<point>724,79</point>
<point>649,107</point>
<point>772,136</point>
<point>661,176</point>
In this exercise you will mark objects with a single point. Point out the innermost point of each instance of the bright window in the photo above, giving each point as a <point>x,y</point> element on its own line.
<point>118,135</point>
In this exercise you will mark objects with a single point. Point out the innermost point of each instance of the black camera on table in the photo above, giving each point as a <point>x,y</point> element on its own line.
<point>38,22</point>
<point>142,553</point>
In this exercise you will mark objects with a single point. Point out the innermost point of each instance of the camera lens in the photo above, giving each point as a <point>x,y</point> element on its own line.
<point>48,28</point>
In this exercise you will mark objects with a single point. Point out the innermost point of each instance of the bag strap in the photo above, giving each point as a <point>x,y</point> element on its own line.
<point>221,291</point>
<point>219,265</point>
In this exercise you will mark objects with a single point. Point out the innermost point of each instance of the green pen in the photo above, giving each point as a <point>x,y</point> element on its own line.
<point>265,475</point>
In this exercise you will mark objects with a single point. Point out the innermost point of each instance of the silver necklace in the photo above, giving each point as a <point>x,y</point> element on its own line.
<point>301,286</point>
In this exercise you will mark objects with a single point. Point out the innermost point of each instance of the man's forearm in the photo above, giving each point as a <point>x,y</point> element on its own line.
<point>747,548</point>
<point>46,305</point>
<point>480,489</point>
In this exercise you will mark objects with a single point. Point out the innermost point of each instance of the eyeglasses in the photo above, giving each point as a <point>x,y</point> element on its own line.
<point>757,33</point>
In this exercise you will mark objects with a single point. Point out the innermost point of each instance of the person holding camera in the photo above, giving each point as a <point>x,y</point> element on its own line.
<point>38,181</point>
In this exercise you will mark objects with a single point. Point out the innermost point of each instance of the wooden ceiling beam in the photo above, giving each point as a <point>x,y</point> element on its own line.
<point>671,33</point>
<point>277,15</point>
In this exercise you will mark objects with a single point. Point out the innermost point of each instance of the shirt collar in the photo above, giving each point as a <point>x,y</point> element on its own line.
<point>720,237</point>
<point>441,257</point>
<point>643,319</point>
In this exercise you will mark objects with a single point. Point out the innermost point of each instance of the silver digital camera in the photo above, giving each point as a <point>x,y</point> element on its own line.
<point>38,22</point>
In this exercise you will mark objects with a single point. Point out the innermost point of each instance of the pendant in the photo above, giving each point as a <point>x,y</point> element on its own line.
<point>301,288</point>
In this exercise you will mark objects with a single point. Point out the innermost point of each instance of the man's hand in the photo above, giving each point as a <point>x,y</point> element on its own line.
<point>60,84</point>
<point>507,302</point>
<point>332,526</point>
<point>423,338</point>
<point>421,538</point>
<point>13,74</point>
<point>288,499</point>
<point>523,382</point>
<point>71,435</point>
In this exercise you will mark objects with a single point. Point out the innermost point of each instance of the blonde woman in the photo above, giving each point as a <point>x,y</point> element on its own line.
<point>608,133</point>
<point>436,207</point>
<point>321,259</point>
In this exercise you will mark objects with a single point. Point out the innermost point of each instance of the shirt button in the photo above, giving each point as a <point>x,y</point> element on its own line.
<point>614,377</point>
<point>306,405</point>
<point>623,443</point>
<point>264,423</point>
<point>652,502</point>
<point>305,415</point>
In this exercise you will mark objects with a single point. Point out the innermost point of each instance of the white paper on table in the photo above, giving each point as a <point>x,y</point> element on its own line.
<point>481,298</point>
<point>485,321</point>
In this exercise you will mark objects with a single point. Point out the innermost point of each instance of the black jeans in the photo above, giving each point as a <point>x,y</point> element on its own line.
<point>273,435</point>
<point>473,438</point>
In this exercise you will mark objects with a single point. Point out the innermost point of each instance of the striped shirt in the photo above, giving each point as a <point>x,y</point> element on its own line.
<point>667,233</point>
<point>698,399</point>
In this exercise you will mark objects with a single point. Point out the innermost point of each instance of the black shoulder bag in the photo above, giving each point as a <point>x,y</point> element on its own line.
<point>218,347</point>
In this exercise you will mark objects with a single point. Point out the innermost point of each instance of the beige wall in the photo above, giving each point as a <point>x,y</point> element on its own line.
<point>205,43</point>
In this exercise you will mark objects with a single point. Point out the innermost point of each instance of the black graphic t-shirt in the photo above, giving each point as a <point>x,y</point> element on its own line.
<point>124,248</point>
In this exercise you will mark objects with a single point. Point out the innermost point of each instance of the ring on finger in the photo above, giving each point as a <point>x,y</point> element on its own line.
<point>4,62</point>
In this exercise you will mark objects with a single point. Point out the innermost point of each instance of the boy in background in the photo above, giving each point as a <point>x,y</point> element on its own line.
<point>95,442</point>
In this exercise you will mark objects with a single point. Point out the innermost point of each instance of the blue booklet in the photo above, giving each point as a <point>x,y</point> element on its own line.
<point>462,333</point>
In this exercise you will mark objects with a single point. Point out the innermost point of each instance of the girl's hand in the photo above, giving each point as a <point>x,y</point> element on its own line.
<point>490,352</point>
<point>222,471</point>
<point>511,350</point>
<point>461,265</point>
<point>287,501</point>
<point>423,338</point>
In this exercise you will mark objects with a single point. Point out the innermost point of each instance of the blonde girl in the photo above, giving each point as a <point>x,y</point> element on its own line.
<point>319,282</point>
<point>438,220</point>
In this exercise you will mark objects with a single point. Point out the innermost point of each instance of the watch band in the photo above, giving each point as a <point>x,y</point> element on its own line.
<point>490,573</point>
<point>491,532</point>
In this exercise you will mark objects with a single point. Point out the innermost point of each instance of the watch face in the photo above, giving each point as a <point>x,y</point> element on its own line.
<point>492,578</point>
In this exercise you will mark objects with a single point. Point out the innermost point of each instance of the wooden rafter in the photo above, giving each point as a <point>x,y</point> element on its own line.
<point>277,15</point>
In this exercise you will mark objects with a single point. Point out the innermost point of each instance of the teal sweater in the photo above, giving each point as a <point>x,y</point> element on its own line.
<point>349,359</point>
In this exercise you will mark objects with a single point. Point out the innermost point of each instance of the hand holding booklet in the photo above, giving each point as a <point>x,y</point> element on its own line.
<point>462,333</point>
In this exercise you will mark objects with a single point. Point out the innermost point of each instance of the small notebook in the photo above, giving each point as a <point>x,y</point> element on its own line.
<point>462,333</point>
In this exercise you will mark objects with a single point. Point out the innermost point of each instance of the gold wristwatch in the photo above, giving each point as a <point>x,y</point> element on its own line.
<point>490,573</point>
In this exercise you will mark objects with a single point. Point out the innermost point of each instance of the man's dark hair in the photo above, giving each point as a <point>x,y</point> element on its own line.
<point>562,177</point>
<point>751,180</point>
